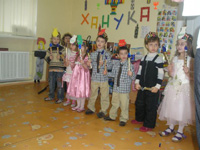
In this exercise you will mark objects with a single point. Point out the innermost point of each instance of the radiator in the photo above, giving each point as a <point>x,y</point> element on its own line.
<point>14,66</point>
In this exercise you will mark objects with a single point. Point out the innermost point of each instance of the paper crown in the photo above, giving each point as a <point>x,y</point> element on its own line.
<point>55,32</point>
<point>73,39</point>
<point>122,43</point>
<point>150,35</point>
<point>41,39</point>
<point>103,34</point>
<point>187,37</point>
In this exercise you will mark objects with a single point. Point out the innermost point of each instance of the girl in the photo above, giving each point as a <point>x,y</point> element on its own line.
<point>70,57</point>
<point>79,86</point>
<point>66,40</point>
<point>55,59</point>
<point>177,107</point>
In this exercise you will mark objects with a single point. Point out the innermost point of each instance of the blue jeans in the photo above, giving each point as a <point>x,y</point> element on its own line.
<point>53,78</point>
<point>197,92</point>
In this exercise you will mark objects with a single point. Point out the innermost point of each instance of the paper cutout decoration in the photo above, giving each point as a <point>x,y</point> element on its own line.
<point>85,19</point>
<point>122,43</point>
<point>136,31</point>
<point>155,4</point>
<point>105,23</point>
<point>94,18</point>
<point>119,21</point>
<point>41,42</point>
<point>145,15</point>
<point>114,4</point>
<point>148,1</point>
<point>73,39</point>
<point>98,5</point>
<point>85,5</point>
<point>79,41</point>
<point>55,32</point>
<point>130,17</point>
<point>132,4</point>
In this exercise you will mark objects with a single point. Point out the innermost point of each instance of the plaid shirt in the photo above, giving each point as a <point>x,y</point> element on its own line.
<point>99,77</point>
<point>125,80</point>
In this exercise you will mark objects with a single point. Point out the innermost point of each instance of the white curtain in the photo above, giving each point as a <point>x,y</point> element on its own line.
<point>18,17</point>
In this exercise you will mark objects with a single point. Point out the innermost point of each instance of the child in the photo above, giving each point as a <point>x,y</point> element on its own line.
<point>177,107</point>
<point>66,40</point>
<point>122,84</point>
<point>98,78</point>
<point>55,58</point>
<point>79,86</point>
<point>70,57</point>
<point>148,83</point>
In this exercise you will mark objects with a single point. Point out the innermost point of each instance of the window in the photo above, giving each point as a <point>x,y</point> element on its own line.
<point>18,17</point>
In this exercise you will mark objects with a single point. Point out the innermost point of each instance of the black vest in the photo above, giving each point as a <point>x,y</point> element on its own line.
<point>149,74</point>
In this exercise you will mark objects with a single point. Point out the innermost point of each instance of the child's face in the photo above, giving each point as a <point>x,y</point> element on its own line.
<point>55,40</point>
<point>152,47</point>
<point>100,43</point>
<point>180,46</point>
<point>83,49</point>
<point>123,55</point>
<point>67,39</point>
<point>73,47</point>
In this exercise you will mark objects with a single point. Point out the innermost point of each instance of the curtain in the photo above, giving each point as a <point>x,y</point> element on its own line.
<point>18,17</point>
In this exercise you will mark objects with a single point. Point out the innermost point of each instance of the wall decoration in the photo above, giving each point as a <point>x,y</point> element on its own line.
<point>98,5</point>
<point>148,1</point>
<point>105,23</point>
<point>85,19</point>
<point>119,21</point>
<point>94,21</point>
<point>166,22</point>
<point>144,31</point>
<point>155,4</point>
<point>85,5</point>
<point>136,31</point>
<point>147,15</point>
<point>114,4</point>
<point>132,4</point>
<point>130,17</point>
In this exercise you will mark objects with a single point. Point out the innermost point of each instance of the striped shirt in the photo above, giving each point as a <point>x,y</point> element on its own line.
<point>159,66</point>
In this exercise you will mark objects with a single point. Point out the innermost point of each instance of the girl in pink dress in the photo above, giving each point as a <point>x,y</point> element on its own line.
<point>79,87</point>
<point>178,107</point>
<point>70,59</point>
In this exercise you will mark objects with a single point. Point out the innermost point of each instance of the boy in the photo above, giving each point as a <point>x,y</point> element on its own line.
<point>122,84</point>
<point>98,78</point>
<point>148,83</point>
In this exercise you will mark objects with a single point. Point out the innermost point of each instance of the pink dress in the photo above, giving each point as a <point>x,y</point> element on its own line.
<point>71,57</point>
<point>79,86</point>
<point>178,106</point>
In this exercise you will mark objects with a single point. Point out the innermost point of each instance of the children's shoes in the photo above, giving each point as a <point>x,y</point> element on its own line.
<point>122,123</point>
<point>145,129</point>
<point>66,103</point>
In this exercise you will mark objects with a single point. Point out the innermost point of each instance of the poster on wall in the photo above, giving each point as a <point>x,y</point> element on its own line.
<point>166,23</point>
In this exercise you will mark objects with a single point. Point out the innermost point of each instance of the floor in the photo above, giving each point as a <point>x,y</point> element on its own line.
<point>27,122</point>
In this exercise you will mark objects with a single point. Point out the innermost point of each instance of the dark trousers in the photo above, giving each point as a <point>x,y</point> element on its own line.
<point>146,108</point>
<point>197,92</point>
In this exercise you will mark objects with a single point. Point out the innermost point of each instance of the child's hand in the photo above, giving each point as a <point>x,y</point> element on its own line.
<point>66,63</point>
<point>137,86</point>
<point>154,89</point>
<point>82,62</point>
<point>58,56</point>
<point>101,63</point>
<point>169,68</point>
<point>186,69</point>
<point>89,63</point>
<point>51,57</point>
<point>105,72</point>
<point>130,73</point>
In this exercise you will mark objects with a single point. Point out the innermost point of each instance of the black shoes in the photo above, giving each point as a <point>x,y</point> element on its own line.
<point>100,115</point>
<point>108,119</point>
<point>122,123</point>
<point>88,112</point>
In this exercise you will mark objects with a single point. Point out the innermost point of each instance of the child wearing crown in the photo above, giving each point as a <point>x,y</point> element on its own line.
<point>99,80</point>
<point>177,106</point>
<point>148,83</point>
<point>55,58</point>
<point>123,74</point>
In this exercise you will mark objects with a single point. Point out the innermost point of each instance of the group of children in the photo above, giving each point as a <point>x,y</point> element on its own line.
<point>70,65</point>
